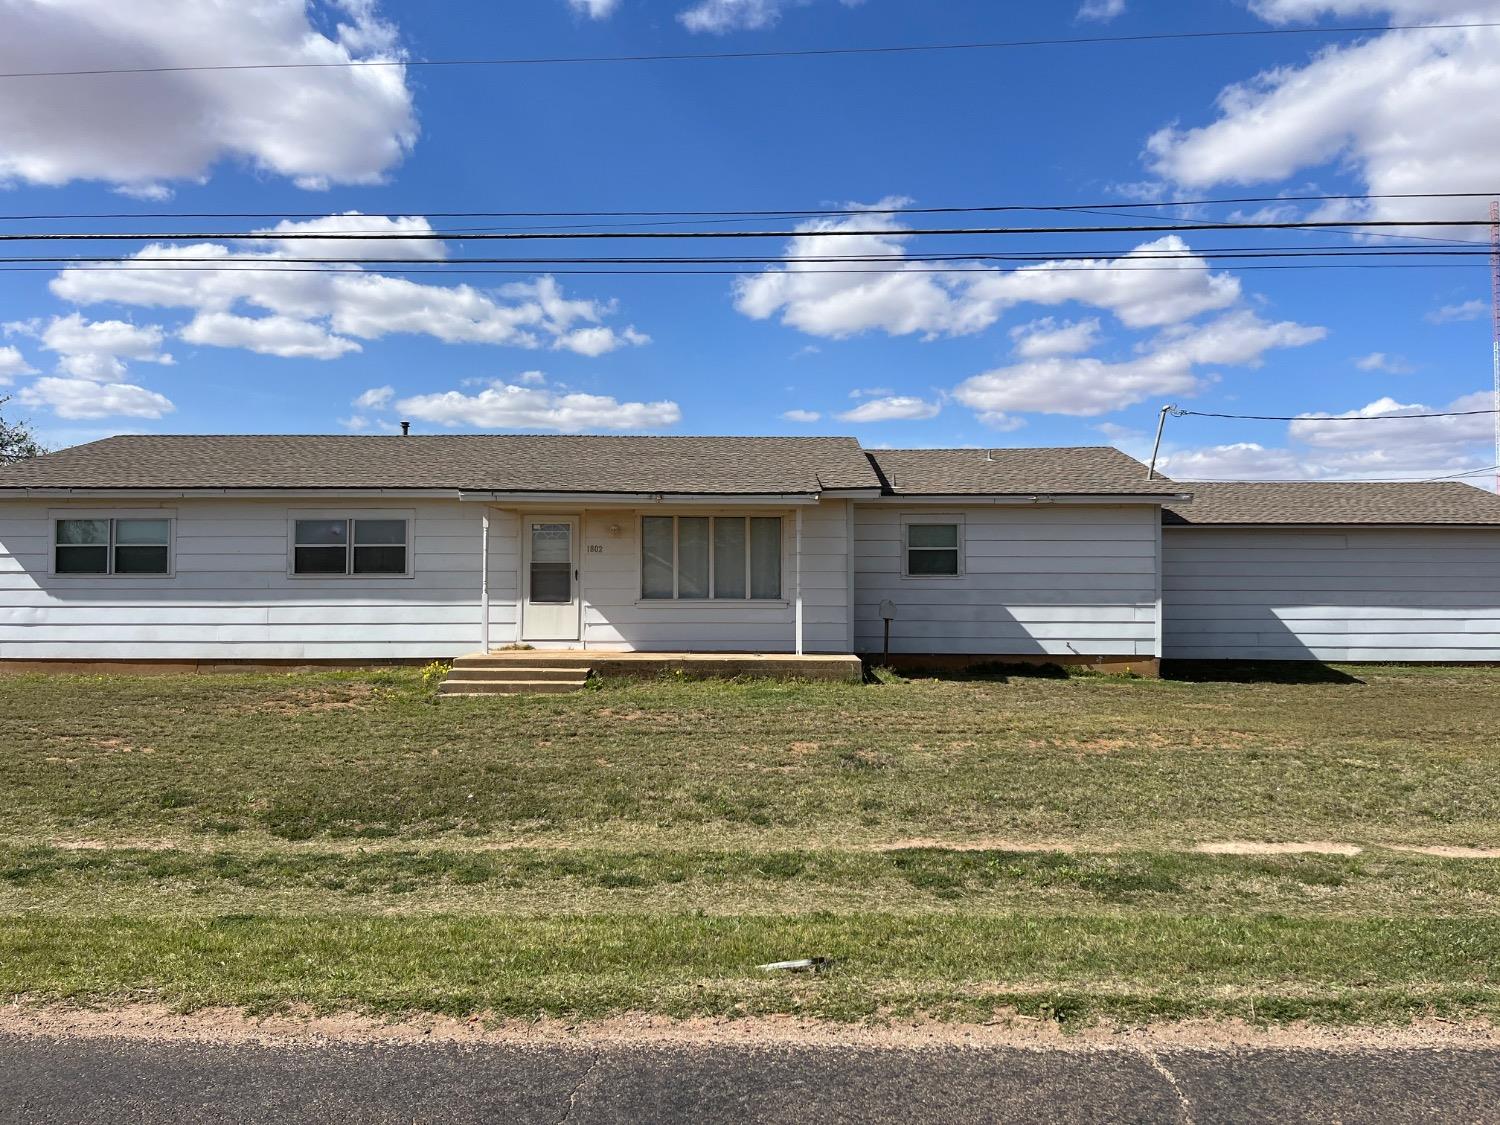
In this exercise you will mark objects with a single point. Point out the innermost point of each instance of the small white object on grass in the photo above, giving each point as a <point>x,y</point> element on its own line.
<point>803,965</point>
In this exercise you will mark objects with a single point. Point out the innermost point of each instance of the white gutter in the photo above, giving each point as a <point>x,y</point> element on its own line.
<point>1332,526</point>
<point>238,493</point>
<point>959,499</point>
<point>852,493</point>
<point>642,499</point>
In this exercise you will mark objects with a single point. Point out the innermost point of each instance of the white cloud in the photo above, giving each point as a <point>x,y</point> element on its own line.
<point>897,408</point>
<point>12,363</point>
<point>1157,283</point>
<point>1245,460</point>
<point>1384,363</point>
<point>269,335</point>
<point>1467,310</point>
<point>84,398</point>
<point>1321,447</point>
<point>1101,10</point>
<point>315,126</point>
<point>806,416</point>
<point>376,398</point>
<point>1318,431</point>
<point>342,303</point>
<point>95,350</point>
<point>504,406</point>
<point>1167,365</point>
<point>1410,111</point>
<point>599,340</point>
<point>416,249</point>
<point>531,378</point>
<point>594,9</point>
<point>73,335</point>
<point>870,392</point>
<point>1048,337</point>
<point>355,422</point>
<point>718,17</point>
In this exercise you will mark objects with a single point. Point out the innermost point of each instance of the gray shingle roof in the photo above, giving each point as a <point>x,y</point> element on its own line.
<point>1334,502</point>
<point>499,462</point>
<point>1077,470</point>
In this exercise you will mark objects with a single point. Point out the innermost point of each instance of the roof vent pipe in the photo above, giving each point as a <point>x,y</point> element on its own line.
<point>405,428</point>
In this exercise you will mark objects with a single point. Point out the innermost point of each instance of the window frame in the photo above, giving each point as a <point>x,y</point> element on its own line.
<point>57,515</point>
<point>931,519</point>
<point>748,599</point>
<point>349,516</point>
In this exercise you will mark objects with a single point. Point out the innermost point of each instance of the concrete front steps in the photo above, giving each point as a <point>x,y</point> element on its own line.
<point>484,675</point>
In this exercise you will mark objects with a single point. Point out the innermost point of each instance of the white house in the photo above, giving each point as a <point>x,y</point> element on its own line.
<point>306,548</point>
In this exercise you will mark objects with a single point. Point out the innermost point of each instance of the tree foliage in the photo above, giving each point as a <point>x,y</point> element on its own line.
<point>17,442</point>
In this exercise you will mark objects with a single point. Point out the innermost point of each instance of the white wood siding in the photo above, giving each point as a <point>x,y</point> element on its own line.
<point>616,617</point>
<point>232,598</point>
<point>1062,580</point>
<point>1360,594</point>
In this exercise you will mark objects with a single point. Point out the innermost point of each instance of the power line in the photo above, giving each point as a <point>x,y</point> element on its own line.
<point>748,272</point>
<point>791,212</point>
<point>1235,253</point>
<point>512,236</point>
<point>1391,478</point>
<point>1470,473</point>
<point>815,52</point>
<point>1176,413</point>
<point>953,263</point>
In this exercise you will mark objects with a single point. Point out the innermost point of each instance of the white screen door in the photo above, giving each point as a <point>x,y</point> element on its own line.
<point>551,609</point>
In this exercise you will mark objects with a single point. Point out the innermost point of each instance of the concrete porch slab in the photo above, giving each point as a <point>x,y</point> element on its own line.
<point>812,666</point>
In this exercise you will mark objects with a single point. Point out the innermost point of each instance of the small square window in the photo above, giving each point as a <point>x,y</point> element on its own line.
<point>933,550</point>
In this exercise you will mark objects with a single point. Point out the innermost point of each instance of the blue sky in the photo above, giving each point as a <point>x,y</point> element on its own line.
<point>1080,355</point>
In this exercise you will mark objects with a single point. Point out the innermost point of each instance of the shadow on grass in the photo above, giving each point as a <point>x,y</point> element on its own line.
<point>995,672</point>
<point>1255,672</point>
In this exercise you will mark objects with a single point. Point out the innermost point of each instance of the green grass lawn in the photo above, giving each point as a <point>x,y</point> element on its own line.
<point>340,840</point>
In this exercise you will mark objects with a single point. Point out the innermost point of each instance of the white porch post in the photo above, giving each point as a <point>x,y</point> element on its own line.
<point>484,580</point>
<point>797,579</point>
<point>583,602</point>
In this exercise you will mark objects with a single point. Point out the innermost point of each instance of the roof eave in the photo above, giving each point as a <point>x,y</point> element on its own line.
<point>1302,525</point>
<point>638,499</point>
<point>1035,498</point>
<point>274,493</point>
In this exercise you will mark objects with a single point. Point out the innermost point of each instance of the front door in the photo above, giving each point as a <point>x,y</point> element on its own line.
<point>551,598</point>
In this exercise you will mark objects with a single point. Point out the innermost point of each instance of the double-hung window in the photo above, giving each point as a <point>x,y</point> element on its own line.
<point>354,545</point>
<point>933,548</point>
<point>113,545</point>
<point>733,558</point>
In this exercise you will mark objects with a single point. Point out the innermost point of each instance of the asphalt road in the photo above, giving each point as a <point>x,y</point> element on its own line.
<point>122,1080</point>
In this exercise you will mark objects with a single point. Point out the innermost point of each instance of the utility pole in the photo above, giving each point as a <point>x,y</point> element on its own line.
<point>1161,422</point>
<point>1495,321</point>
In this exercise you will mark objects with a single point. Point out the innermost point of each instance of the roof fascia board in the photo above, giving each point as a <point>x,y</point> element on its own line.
<point>852,493</point>
<point>236,493</point>
<point>1040,498</point>
<point>642,499</point>
<point>1375,524</point>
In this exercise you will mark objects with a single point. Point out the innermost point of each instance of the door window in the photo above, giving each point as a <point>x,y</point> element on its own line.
<point>552,563</point>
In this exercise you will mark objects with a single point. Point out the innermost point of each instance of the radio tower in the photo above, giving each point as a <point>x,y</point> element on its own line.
<point>1495,321</point>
